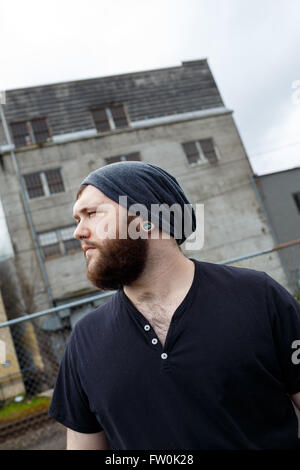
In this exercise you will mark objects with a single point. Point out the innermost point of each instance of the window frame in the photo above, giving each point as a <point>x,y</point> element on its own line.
<point>201,154</point>
<point>109,116</point>
<point>30,132</point>
<point>50,135</point>
<point>63,251</point>
<point>44,181</point>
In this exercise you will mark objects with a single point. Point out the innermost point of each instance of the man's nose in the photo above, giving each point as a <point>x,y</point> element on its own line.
<point>81,232</point>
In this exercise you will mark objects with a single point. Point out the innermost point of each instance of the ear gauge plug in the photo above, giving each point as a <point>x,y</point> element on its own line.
<point>147,226</point>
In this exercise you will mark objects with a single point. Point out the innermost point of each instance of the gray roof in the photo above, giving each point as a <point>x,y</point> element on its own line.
<point>148,94</point>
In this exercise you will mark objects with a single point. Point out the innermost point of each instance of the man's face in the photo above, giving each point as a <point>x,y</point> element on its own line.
<point>111,260</point>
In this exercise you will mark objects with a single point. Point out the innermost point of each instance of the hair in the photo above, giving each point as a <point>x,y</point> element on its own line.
<point>80,191</point>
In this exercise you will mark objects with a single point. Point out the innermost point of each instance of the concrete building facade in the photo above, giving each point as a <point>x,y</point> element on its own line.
<point>174,118</point>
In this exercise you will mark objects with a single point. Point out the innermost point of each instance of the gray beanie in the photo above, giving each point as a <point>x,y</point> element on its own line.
<point>146,184</point>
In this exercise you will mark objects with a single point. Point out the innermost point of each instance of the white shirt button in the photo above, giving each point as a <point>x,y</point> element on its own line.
<point>147,327</point>
<point>154,341</point>
<point>164,356</point>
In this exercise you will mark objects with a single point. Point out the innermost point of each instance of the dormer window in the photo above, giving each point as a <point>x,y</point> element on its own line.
<point>35,131</point>
<point>110,118</point>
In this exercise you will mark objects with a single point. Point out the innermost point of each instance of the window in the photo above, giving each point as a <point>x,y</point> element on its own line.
<point>54,180</point>
<point>35,131</point>
<point>59,242</point>
<point>200,151</point>
<point>134,156</point>
<point>119,116</point>
<point>44,183</point>
<point>34,185</point>
<point>40,130</point>
<point>21,134</point>
<point>297,200</point>
<point>70,243</point>
<point>49,244</point>
<point>110,118</point>
<point>101,120</point>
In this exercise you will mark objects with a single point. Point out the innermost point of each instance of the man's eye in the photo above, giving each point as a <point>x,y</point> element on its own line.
<point>90,213</point>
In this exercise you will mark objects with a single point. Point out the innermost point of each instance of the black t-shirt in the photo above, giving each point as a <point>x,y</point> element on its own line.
<point>221,381</point>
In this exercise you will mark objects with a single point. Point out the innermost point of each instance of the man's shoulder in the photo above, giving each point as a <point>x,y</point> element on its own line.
<point>227,273</point>
<point>100,315</point>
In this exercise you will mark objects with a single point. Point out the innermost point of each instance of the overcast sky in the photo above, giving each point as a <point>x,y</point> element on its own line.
<point>252,48</point>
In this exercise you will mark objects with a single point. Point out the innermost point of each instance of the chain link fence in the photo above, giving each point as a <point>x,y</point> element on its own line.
<point>31,348</point>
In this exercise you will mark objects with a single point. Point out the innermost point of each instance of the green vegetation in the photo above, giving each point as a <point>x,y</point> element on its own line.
<point>12,411</point>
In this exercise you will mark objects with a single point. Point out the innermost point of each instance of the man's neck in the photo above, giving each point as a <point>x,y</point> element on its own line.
<point>164,278</point>
<point>158,293</point>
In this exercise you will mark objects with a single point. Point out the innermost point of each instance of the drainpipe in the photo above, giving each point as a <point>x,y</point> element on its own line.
<point>26,207</point>
<point>286,271</point>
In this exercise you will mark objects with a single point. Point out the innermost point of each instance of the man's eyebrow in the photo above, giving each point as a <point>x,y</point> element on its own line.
<point>87,208</point>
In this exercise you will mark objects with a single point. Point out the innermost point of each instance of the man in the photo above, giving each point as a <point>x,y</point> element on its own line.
<point>186,354</point>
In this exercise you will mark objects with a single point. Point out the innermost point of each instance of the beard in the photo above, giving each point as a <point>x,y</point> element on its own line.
<point>117,262</point>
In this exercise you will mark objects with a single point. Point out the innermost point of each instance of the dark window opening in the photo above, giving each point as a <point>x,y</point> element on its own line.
<point>30,132</point>
<point>40,129</point>
<point>101,119</point>
<point>200,151</point>
<point>59,242</point>
<point>34,185</point>
<point>21,133</point>
<point>119,116</point>
<point>51,250</point>
<point>72,245</point>
<point>54,180</point>
<point>208,149</point>
<point>191,152</point>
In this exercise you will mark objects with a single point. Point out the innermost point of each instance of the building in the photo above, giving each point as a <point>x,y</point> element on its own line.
<point>11,380</point>
<point>174,118</point>
<point>280,194</point>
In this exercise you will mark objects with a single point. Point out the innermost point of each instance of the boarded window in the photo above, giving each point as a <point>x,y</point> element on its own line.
<point>119,116</point>
<point>21,135</point>
<point>101,120</point>
<point>207,146</point>
<point>191,151</point>
<point>34,185</point>
<point>54,180</point>
<point>109,160</point>
<point>49,244</point>
<point>135,156</point>
<point>70,243</point>
<point>40,130</point>
<point>59,242</point>
<point>51,250</point>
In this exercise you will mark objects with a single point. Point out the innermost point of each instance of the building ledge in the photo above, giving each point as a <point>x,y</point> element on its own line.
<point>135,125</point>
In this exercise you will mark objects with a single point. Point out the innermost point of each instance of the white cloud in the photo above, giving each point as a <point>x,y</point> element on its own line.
<point>252,48</point>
